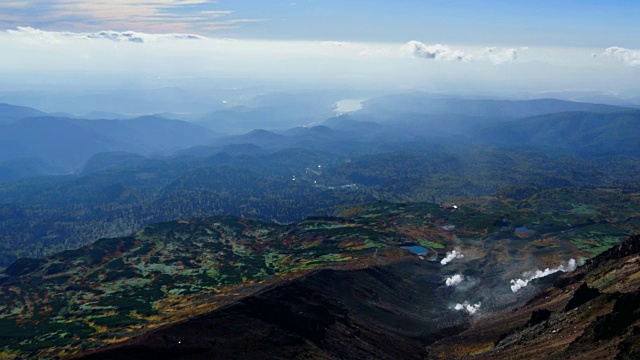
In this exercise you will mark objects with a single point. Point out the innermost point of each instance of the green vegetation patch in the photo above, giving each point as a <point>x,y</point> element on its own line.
<point>584,210</point>
<point>598,237</point>
<point>431,244</point>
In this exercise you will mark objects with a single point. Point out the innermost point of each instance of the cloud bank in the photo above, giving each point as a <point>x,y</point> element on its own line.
<point>118,36</point>
<point>441,52</point>
<point>435,52</point>
<point>32,57</point>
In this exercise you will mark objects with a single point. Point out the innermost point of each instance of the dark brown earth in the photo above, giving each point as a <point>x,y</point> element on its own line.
<point>384,312</point>
<point>402,311</point>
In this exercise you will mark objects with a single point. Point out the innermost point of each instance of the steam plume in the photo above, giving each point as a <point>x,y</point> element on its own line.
<point>468,307</point>
<point>454,280</point>
<point>518,284</point>
<point>450,256</point>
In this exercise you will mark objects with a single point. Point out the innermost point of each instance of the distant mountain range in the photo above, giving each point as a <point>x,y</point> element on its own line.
<point>63,144</point>
<point>11,113</point>
<point>66,143</point>
<point>398,231</point>
<point>440,104</point>
<point>585,133</point>
<point>275,112</point>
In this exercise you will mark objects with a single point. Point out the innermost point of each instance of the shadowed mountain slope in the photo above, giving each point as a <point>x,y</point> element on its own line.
<point>389,312</point>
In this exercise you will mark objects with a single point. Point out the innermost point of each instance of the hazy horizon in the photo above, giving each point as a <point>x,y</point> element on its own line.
<point>495,49</point>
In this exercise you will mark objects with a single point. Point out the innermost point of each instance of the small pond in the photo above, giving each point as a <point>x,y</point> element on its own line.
<point>418,250</point>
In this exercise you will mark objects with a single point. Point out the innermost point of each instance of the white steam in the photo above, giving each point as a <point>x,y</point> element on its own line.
<point>450,256</point>
<point>454,280</point>
<point>518,284</point>
<point>468,307</point>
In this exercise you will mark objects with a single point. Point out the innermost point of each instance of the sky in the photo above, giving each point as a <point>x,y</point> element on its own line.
<point>502,46</point>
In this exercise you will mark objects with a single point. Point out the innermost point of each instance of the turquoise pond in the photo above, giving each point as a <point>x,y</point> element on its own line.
<point>418,250</point>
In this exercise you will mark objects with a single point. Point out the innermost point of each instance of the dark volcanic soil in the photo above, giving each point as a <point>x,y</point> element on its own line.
<point>389,312</point>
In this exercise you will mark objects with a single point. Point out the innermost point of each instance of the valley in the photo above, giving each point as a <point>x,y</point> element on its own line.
<point>119,289</point>
<point>321,241</point>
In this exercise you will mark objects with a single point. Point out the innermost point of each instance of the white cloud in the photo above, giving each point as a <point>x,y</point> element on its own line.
<point>627,56</point>
<point>440,52</point>
<point>450,256</point>
<point>113,57</point>
<point>119,36</point>
<point>518,284</point>
<point>468,307</point>
<point>34,35</point>
<point>136,37</point>
<point>436,52</point>
<point>454,280</point>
